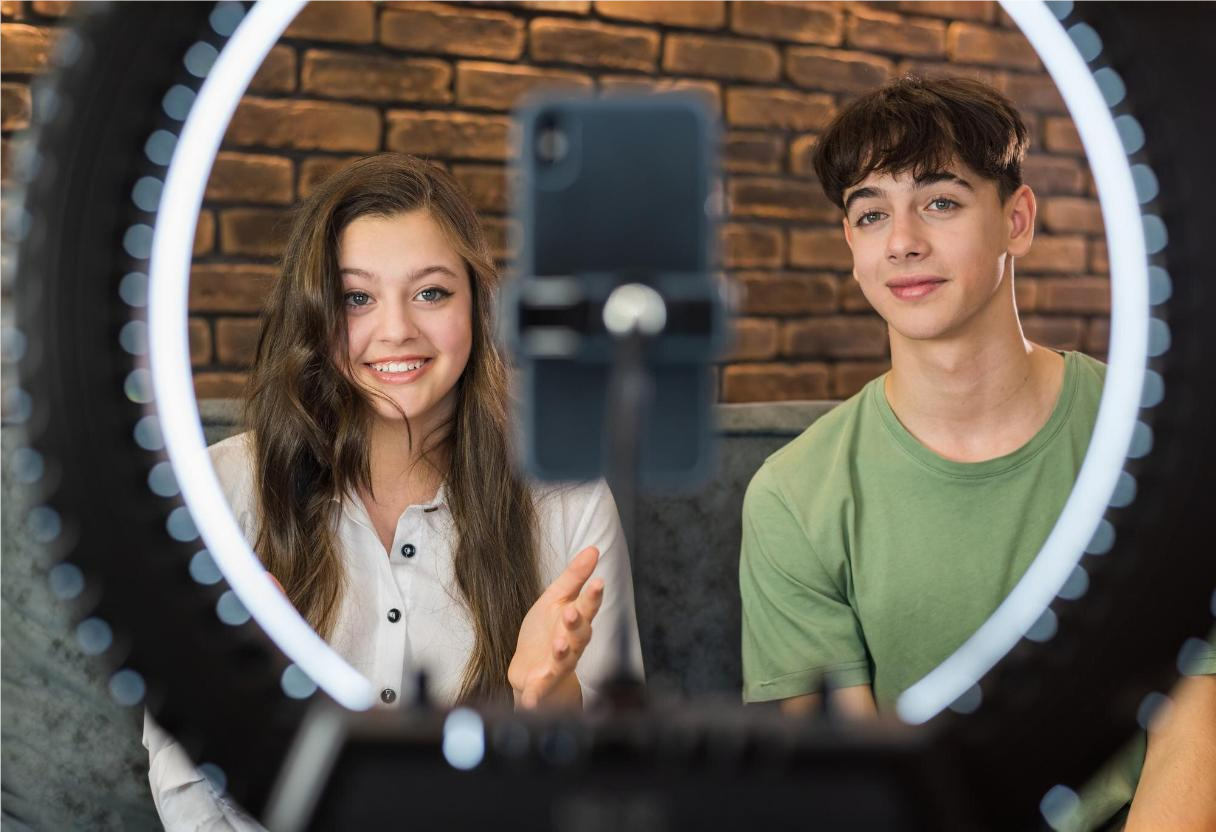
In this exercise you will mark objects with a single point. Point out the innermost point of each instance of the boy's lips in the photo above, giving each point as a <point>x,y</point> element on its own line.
<point>914,287</point>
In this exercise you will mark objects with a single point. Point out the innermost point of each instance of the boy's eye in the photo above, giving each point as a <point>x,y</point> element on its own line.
<point>433,295</point>
<point>358,298</point>
<point>869,217</point>
<point>943,204</point>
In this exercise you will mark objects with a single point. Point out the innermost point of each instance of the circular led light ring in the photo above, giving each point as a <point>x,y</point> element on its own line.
<point>1121,394</point>
<point>172,377</point>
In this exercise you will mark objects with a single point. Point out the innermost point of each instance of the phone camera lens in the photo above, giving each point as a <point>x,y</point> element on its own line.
<point>552,144</point>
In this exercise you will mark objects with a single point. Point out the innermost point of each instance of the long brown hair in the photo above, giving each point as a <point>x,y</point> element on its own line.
<point>921,125</point>
<point>310,421</point>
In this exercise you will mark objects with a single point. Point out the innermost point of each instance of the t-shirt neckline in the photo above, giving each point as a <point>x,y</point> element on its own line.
<point>876,392</point>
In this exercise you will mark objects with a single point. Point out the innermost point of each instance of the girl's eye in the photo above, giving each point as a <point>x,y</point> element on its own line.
<point>433,295</point>
<point>869,217</point>
<point>358,298</point>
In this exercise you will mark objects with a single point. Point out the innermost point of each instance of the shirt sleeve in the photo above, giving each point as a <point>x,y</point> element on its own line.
<point>184,798</point>
<point>596,523</point>
<point>798,626</point>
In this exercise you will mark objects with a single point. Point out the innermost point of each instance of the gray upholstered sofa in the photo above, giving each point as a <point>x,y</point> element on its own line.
<point>72,758</point>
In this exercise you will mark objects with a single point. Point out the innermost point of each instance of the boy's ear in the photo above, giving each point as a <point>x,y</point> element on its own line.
<point>848,231</point>
<point>1020,212</point>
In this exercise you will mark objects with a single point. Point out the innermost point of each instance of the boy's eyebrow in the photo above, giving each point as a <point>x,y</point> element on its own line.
<point>922,181</point>
<point>861,193</point>
<point>937,176</point>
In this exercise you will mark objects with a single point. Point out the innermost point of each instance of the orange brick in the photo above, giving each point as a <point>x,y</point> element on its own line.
<point>253,232</point>
<point>753,339</point>
<point>486,186</point>
<point>775,382</point>
<point>304,125</point>
<point>451,134</point>
<point>1097,336</point>
<point>501,86</point>
<point>1034,92</point>
<point>25,49</point>
<point>6,160</point>
<point>940,69</point>
<point>452,30</point>
<point>347,22</point>
<point>820,248</point>
<point>556,6</point>
<point>779,198</point>
<point>852,299</point>
<point>236,340</point>
<point>708,14</point>
<point>593,44</point>
<point>835,337</point>
<point>10,10</point>
<point>316,169</point>
<point>1060,254</point>
<point>228,287</point>
<point>969,43</point>
<point>250,177</point>
<point>52,8</point>
<point>836,70</point>
<point>1075,294</point>
<point>1062,137</point>
<point>710,92</point>
<point>1026,293</point>
<point>1069,213</point>
<point>1056,333</point>
<point>15,106</point>
<point>752,246</point>
<point>778,108</point>
<point>848,377</point>
<point>213,385</point>
<point>881,31</point>
<point>1099,260</point>
<point>277,72</point>
<point>820,23</point>
<point>786,293</point>
<point>200,342</point>
<point>502,236</point>
<point>719,57</point>
<point>801,151</point>
<point>376,78</point>
<point>1049,175</point>
<point>748,152</point>
<point>204,233</point>
<point>985,12</point>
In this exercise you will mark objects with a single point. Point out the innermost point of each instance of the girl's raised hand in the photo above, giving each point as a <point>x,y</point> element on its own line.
<point>554,634</point>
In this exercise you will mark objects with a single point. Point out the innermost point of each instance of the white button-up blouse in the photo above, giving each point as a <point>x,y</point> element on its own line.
<point>402,610</point>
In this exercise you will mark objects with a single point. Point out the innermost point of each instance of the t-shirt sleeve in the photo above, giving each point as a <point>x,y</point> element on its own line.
<point>798,626</point>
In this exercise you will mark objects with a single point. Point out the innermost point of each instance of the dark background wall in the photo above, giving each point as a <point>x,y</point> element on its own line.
<point>438,80</point>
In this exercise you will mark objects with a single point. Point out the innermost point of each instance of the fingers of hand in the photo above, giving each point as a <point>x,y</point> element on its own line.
<point>567,585</point>
<point>591,599</point>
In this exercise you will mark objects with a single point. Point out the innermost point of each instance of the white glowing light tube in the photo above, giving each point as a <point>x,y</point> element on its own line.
<point>169,350</point>
<point>1128,358</point>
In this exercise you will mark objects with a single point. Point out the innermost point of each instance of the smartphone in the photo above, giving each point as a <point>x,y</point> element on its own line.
<point>614,191</point>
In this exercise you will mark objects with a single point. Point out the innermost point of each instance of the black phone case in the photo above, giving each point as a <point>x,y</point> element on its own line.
<point>630,195</point>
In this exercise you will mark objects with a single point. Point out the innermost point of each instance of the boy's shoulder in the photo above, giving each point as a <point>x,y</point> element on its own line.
<point>824,448</point>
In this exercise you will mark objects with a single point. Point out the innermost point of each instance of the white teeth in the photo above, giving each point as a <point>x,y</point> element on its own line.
<point>398,366</point>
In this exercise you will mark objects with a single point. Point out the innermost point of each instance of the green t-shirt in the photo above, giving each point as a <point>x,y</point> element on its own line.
<point>868,559</point>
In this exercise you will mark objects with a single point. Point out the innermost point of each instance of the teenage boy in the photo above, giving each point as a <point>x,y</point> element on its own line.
<point>879,540</point>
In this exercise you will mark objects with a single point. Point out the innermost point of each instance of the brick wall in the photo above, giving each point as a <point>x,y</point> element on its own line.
<point>439,79</point>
